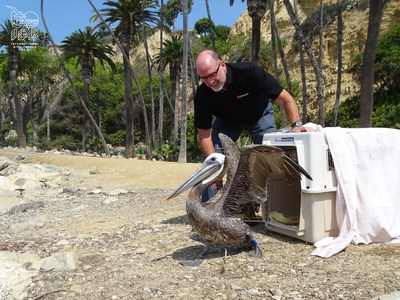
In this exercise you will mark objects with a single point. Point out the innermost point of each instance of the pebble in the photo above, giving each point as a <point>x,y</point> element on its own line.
<point>118,192</point>
<point>110,200</point>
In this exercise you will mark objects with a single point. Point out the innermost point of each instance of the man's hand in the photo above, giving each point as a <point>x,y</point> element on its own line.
<point>303,129</point>
<point>217,185</point>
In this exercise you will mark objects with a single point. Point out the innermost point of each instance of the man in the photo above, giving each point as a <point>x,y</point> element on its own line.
<point>240,97</point>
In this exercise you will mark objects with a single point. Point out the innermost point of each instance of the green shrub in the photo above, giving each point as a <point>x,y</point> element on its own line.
<point>65,142</point>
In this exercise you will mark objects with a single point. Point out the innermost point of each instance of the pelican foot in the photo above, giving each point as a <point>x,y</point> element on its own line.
<point>256,252</point>
<point>191,263</point>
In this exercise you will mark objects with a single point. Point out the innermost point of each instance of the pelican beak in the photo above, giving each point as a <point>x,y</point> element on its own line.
<point>207,172</point>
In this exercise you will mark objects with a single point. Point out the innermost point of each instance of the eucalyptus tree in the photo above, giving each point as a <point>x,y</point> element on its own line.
<point>172,9</point>
<point>367,69</point>
<point>256,10</point>
<point>276,40</point>
<point>317,70</point>
<point>86,47</point>
<point>183,125</point>
<point>130,16</point>
<point>321,102</point>
<point>172,56</point>
<point>152,106</point>
<point>339,42</point>
<point>160,129</point>
<point>11,42</point>
<point>39,77</point>
<point>302,71</point>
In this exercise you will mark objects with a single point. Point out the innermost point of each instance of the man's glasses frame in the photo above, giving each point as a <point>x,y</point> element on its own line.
<point>212,75</point>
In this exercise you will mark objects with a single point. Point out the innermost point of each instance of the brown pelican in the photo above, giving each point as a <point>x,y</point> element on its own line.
<point>247,170</point>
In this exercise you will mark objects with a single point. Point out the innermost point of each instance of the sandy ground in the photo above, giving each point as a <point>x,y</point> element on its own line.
<point>114,173</point>
<point>129,246</point>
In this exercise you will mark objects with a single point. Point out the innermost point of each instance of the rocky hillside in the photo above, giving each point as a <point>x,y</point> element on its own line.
<point>355,24</point>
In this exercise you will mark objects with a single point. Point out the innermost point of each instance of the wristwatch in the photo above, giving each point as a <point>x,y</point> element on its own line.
<point>297,124</point>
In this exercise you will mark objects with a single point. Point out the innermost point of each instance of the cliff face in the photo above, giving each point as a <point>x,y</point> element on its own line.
<point>355,24</point>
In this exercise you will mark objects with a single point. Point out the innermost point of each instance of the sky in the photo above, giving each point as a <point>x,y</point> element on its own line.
<point>65,16</point>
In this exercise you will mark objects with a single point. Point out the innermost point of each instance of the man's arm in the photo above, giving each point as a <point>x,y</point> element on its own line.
<point>206,141</point>
<point>292,112</point>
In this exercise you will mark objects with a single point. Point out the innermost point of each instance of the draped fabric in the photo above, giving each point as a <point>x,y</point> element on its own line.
<point>367,167</point>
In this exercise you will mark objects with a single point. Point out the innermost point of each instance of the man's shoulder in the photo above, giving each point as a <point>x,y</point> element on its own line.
<point>203,94</point>
<point>248,69</point>
<point>242,65</point>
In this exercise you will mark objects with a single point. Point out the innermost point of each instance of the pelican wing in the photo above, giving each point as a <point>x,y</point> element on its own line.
<point>264,160</point>
<point>249,182</point>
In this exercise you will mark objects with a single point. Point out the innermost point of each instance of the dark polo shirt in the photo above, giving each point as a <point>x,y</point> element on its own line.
<point>248,91</point>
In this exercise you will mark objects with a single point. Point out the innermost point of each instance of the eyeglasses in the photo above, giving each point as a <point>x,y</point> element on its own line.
<point>212,75</point>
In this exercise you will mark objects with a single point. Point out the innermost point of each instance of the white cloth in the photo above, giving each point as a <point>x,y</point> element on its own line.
<point>367,167</point>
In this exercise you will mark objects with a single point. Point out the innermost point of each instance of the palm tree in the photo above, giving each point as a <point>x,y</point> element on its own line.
<point>367,69</point>
<point>256,10</point>
<point>8,39</point>
<point>211,27</point>
<point>131,16</point>
<point>173,56</point>
<point>86,46</point>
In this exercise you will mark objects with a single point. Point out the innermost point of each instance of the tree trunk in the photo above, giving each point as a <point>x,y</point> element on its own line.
<point>18,112</point>
<point>161,76</point>
<point>153,114</point>
<point>307,47</point>
<point>211,28</point>
<point>256,10</point>
<point>100,134</point>
<point>303,75</point>
<point>182,146</point>
<point>128,99</point>
<point>275,28</point>
<point>255,39</point>
<point>274,54</point>
<point>86,118</point>
<point>195,81</point>
<point>13,67</point>
<point>339,41</point>
<point>176,108</point>
<point>367,69</point>
<point>48,136</point>
<point>321,102</point>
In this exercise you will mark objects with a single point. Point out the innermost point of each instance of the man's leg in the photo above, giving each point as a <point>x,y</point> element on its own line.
<point>266,124</point>
<point>231,130</point>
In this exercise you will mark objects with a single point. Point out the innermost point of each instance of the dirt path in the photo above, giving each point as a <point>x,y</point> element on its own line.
<point>128,245</point>
<point>113,172</point>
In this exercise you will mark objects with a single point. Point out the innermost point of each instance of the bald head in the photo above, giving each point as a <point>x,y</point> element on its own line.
<point>205,60</point>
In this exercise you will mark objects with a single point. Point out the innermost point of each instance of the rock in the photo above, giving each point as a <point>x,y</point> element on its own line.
<point>26,206</point>
<point>110,200</point>
<point>118,192</point>
<point>96,191</point>
<point>59,262</point>
<point>14,276</point>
